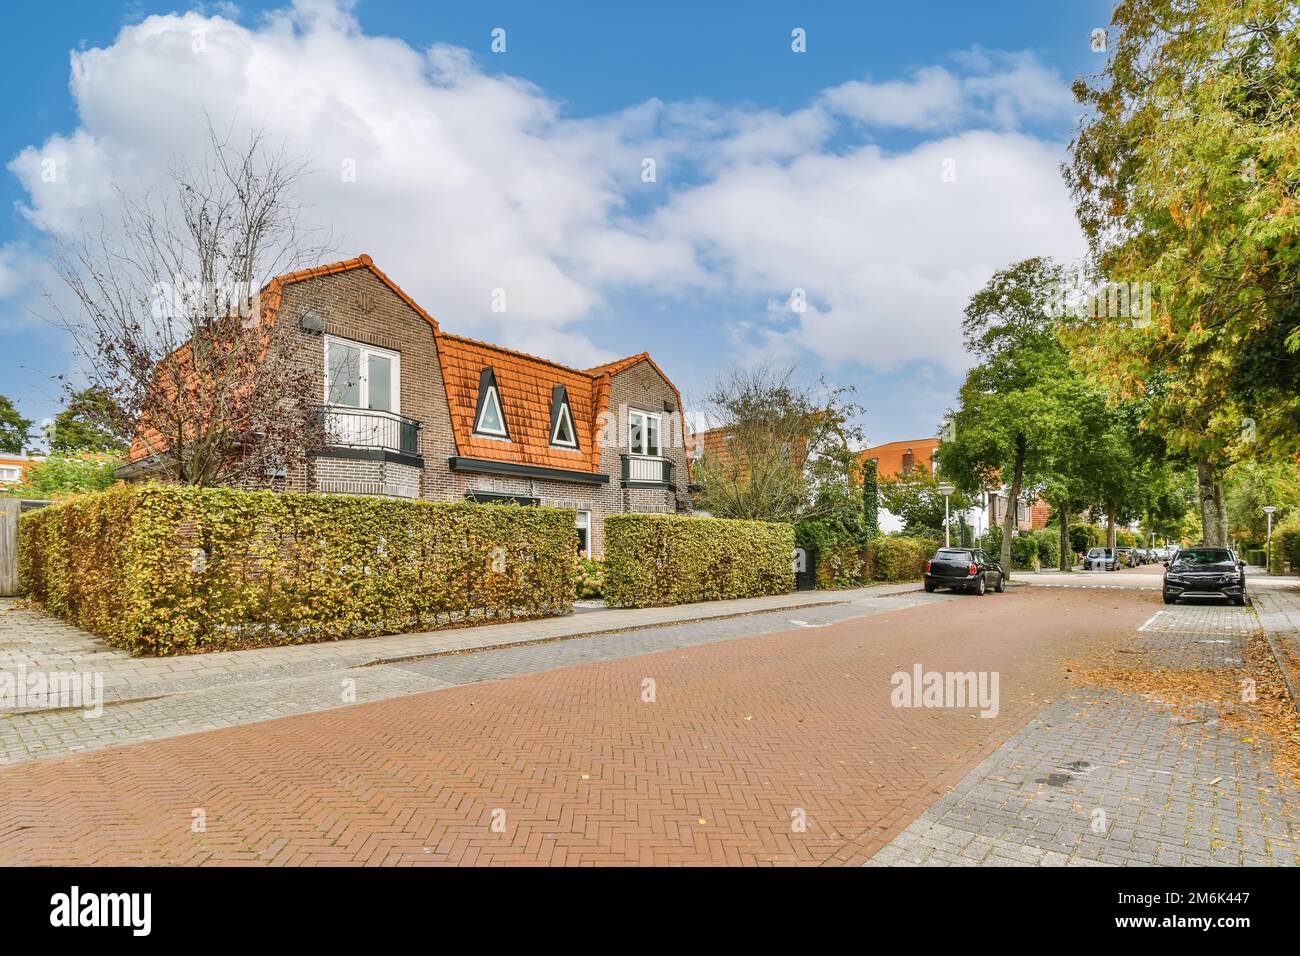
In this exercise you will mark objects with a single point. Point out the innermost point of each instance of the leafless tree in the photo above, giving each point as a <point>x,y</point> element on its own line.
<point>171,314</point>
<point>779,450</point>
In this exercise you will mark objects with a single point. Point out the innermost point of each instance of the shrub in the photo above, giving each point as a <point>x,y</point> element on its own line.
<point>62,475</point>
<point>653,560</point>
<point>1024,552</point>
<point>1049,547</point>
<point>166,569</point>
<point>897,558</point>
<point>838,547</point>
<point>589,582</point>
<point>1256,557</point>
<point>1286,546</point>
<point>1085,536</point>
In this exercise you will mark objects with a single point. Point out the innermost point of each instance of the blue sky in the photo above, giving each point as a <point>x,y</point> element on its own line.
<point>885,172</point>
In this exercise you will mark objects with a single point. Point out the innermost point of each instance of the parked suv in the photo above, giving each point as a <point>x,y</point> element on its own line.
<point>1205,572</point>
<point>1100,559</point>
<point>964,569</point>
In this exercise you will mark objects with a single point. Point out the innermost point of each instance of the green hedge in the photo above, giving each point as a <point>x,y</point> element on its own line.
<point>897,558</point>
<point>1085,536</point>
<point>653,560</point>
<point>1286,546</point>
<point>165,569</point>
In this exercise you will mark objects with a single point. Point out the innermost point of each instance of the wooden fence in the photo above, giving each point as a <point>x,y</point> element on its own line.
<point>10,509</point>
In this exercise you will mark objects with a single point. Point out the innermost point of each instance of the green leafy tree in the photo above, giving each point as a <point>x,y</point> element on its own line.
<point>14,429</point>
<point>917,500</point>
<point>92,421</point>
<point>1016,406</point>
<point>1253,485</point>
<point>1184,176</point>
<point>60,476</point>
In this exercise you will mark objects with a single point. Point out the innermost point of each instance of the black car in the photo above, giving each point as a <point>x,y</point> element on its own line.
<point>964,569</point>
<point>1205,572</point>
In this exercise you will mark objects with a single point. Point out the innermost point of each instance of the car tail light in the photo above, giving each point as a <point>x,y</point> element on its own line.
<point>973,569</point>
<point>927,567</point>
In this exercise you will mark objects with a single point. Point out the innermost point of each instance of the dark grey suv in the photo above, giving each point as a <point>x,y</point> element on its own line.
<point>1205,572</point>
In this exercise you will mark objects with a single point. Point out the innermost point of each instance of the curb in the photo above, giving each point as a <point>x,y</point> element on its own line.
<point>1278,657</point>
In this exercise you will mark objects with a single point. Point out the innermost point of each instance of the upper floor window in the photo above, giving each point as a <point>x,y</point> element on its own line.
<point>11,473</point>
<point>361,376</point>
<point>489,417</point>
<point>643,430</point>
<point>563,433</point>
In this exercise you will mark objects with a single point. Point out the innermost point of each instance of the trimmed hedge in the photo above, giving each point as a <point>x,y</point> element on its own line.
<point>897,558</point>
<point>162,569</point>
<point>1286,546</point>
<point>654,559</point>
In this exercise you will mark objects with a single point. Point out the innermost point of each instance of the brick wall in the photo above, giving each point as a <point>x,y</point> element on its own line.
<point>356,305</point>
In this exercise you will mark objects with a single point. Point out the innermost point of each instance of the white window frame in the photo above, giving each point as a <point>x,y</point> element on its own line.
<point>12,473</point>
<point>644,450</point>
<point>565,415</point>
<point>366,351</point>
<point>578,523</point>
<point>494,397</point>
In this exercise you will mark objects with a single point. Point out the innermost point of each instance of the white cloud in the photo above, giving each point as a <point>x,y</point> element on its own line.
<point>468,182</point>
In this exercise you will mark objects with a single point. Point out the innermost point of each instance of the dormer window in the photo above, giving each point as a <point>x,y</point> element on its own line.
<point>563,434</point>
<point>489,419</point>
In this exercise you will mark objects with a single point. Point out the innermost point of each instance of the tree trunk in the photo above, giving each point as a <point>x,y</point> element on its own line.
<point>1110,525</point>
<point>1214,507</point>
<point>1063,514</point>
<point>1013,501</point>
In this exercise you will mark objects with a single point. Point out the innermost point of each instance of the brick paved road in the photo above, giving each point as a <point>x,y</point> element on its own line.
<point>746,737</point>
<point>1103,777</point>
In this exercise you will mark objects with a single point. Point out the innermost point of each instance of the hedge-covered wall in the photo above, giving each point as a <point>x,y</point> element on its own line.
<point>896,558</point>
<point>653,559</point>
<point>166,569</point>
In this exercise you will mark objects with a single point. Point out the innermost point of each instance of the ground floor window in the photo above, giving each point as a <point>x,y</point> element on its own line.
<point>496,498</point>
<point>584,532</point>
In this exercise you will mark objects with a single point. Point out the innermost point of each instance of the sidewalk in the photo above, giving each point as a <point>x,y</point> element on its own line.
<point>152,698</point>
<point>33,641</point>
<point>1278,609</point>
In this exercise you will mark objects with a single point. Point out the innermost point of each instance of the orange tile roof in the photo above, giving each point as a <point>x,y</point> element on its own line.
<point>525,383</point>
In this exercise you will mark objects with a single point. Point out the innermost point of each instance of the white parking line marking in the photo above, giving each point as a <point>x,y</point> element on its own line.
<point>1151,620</point>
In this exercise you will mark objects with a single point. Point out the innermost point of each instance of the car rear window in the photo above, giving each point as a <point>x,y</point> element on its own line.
<point>1204,556</point>
<point>953,553</point>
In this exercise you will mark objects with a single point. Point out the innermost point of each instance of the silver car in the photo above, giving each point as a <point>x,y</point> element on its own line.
<point>1100,559</point>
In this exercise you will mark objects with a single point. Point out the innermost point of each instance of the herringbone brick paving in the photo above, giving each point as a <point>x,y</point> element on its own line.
<point>570,765</point>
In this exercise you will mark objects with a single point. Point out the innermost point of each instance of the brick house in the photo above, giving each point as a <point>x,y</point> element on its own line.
<point>898,458</point>
<point>13,469</point>
<point>411,411</point>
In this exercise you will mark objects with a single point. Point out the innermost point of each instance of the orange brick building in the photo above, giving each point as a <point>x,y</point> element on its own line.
<point>897,458</point>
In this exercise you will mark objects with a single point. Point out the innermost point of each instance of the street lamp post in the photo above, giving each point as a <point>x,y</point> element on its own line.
<point>946,489</point>
<point>1268,544</point>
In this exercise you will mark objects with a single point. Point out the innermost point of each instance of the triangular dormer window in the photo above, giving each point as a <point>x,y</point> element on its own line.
<point>489,418</point>
<point>563,434</point>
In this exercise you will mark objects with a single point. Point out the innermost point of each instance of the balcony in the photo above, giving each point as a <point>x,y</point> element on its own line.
<point>646,471</point>
<point>369,429</point>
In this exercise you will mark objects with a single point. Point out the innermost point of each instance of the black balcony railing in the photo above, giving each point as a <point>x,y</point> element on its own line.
<point>647,470</point>
<point>345,427</point>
